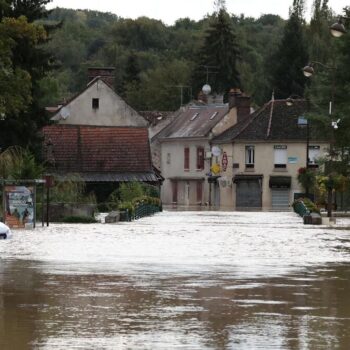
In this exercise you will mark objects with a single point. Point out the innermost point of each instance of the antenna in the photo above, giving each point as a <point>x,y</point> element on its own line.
<point>207,68</point>
<point>181,91</point>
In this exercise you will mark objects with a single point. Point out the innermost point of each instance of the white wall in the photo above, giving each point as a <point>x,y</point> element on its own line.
<point>112,111</point>
<point>172,165</point>
<point>264,165</point>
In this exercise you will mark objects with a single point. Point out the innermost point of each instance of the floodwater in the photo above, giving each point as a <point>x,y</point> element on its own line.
<point>178,280</point>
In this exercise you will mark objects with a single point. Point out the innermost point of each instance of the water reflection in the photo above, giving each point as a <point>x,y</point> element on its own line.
<point>70,303</point>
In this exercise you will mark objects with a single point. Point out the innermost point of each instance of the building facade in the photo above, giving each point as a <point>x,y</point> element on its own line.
<point>259,157</point>
<point>185,152</point>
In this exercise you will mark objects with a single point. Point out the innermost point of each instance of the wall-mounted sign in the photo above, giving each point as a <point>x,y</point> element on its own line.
<point>215,169</point>
<point>292,160</point>
<point>19,206</point>
<point>224,161</point>
<point>280,146</point>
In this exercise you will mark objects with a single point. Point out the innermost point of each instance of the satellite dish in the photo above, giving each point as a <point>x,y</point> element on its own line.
<point>64,112</point>
<point>216,151</point>
<point>206,89</point>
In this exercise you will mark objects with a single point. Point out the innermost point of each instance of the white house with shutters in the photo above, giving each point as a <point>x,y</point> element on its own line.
<point>185,150</point>
<point>262,154</point>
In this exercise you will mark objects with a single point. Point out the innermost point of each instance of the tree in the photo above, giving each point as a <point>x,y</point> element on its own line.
<point>30,58</point>
<point>220,54</point>
<point>290,57</point>
<point>15,82</point>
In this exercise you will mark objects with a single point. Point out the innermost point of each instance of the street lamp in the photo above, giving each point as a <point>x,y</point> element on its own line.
<point>337,29</point>
<point>308,71</point>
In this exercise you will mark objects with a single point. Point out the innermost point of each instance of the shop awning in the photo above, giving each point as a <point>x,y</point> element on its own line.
<point>246,177</point>
<point>280,181</point>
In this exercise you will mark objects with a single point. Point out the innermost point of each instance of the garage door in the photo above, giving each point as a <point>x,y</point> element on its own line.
<point>248,194</point>
<point>280,199</point>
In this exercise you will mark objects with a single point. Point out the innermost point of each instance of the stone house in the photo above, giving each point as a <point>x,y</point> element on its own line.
<point>99,136</point>
<point>260,155</point>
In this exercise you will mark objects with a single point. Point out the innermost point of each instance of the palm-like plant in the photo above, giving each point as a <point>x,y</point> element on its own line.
<point>17,163</point>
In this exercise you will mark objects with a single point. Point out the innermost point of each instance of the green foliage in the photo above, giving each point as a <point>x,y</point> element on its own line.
<point>130,190</point>
<point>71,189</point>
<point>306,177</point>
<point>221,53</point>
<point>288,60</point>
<point>79,220</point>
<point>19,164</point>
<point>15,81</point>
<point>127,206</point>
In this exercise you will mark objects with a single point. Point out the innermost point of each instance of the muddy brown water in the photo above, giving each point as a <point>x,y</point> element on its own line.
<point>178,280</point>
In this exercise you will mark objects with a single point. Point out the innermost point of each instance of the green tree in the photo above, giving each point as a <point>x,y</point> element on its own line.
<point>220,53</point>
<point>15,82</point>
<point>290,57</point>
<point>30,57</point>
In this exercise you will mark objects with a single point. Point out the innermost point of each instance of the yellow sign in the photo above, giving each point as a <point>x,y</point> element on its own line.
<point>215,169</point>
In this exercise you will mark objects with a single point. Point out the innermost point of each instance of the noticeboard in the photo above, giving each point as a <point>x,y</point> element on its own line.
<point>19,206</point>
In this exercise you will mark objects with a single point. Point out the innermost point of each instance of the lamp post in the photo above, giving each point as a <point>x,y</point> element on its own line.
<point>302,122</point>
<point>308,71</point>
<point>337,29</point>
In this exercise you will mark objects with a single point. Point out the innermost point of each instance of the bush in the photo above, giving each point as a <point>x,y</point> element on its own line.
<point>79,219</point>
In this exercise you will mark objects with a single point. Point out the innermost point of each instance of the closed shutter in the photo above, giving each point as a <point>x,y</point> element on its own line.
<point>200,158</point>
<point>186,158</point>
<point>280,157</point>
<point>280,198</point>
<point>248,194</point>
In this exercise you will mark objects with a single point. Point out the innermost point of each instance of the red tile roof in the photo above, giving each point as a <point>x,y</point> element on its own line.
<point>78,148</point>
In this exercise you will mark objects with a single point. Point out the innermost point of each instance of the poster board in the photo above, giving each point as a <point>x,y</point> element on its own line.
<point>19,206</point>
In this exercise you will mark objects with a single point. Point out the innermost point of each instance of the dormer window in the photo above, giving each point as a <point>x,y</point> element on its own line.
<point>194,116</point>
<point>213,115</point>
<point>95,103</point>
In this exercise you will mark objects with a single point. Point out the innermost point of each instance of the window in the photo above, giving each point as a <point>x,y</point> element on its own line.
<point>280,156</point>
<point>186,159</point>
<point>249,156</point>
<point>213,115</point>
<point>194,116</point>
<point>200,158</point>
<point>95,103</point>
<point>168,158</point>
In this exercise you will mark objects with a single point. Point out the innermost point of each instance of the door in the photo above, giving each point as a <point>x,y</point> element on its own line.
<point>248,194</point>
<point>280,198</point>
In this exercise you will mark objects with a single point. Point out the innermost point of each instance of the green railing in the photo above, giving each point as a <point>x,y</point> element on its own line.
<point>143,210</point>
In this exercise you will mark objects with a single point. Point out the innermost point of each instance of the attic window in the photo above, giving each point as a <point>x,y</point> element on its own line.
<point>95,103</point>
<point>194,116</point>
<point>213,115</point>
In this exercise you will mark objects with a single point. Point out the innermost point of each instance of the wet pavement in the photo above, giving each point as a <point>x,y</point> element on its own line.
<point>178,280</point>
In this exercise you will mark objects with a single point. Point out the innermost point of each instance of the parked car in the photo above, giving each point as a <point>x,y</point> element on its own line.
<point>5,231</point>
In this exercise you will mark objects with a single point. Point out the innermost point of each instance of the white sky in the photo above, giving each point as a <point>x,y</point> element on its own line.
<point>170,10</point>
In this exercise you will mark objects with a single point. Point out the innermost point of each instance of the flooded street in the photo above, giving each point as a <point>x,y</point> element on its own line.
<point>178,280</point>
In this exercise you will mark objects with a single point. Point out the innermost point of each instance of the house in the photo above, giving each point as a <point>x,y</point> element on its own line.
<point>99,136</point>
<point>259,157</point>
<point>184,151</point>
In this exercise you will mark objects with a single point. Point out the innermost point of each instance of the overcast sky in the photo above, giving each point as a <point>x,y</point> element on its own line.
<point>171,10</point>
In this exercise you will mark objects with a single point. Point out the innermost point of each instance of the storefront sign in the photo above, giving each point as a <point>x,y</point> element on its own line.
<point>224,161</point>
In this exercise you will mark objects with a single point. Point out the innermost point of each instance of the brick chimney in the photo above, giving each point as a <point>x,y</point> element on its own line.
<point>105,73</point>
<point>239,100</point>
